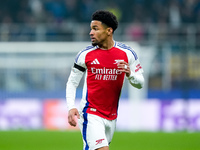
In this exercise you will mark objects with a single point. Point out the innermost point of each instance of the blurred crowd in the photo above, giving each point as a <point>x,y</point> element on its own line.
<point>47,11</point>
<point>163,24</point>
<point>63,20</point>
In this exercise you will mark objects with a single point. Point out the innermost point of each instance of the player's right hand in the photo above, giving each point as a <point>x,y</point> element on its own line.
<point>72,114</point>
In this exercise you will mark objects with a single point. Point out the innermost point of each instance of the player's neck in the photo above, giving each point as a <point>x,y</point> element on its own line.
<point>107,44</point>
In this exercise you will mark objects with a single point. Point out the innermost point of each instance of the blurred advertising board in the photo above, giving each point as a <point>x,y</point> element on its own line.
<point>21,114</point>
<point>180,115</point>
<point>156,115</point>
<point>55,115</point>
<point>150,115</point>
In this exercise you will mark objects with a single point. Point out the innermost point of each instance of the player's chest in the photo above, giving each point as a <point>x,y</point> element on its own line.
<point>105,59</point>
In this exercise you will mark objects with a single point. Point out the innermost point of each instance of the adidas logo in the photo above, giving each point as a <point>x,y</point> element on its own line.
<point>95,61</point>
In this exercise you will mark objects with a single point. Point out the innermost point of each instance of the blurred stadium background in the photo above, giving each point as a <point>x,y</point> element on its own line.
<point>40,38</point>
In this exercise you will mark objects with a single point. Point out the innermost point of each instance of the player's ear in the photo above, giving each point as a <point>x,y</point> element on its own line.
<point>109,30</point>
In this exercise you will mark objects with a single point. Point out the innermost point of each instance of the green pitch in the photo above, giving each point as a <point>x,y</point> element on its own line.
<point>71,140</point>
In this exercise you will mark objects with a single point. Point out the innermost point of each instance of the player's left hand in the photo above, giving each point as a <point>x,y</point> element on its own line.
<point>124,67</point>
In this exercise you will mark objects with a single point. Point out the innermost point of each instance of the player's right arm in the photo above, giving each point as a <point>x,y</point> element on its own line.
<point>71,86</point>
<point>73,81</point>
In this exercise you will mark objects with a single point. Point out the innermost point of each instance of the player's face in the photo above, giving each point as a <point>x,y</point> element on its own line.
<point>98,33</point>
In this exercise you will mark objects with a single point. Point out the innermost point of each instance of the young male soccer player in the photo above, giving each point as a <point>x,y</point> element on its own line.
<point>105,63</point>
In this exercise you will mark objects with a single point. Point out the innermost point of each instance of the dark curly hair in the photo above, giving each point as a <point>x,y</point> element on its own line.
<point>106,17</point>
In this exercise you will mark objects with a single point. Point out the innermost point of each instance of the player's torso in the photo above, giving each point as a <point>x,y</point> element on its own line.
<point>104,81</point>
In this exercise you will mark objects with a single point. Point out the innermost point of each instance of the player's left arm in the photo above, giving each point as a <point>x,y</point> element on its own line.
<point>134,72</point>
<point>136,77</point>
